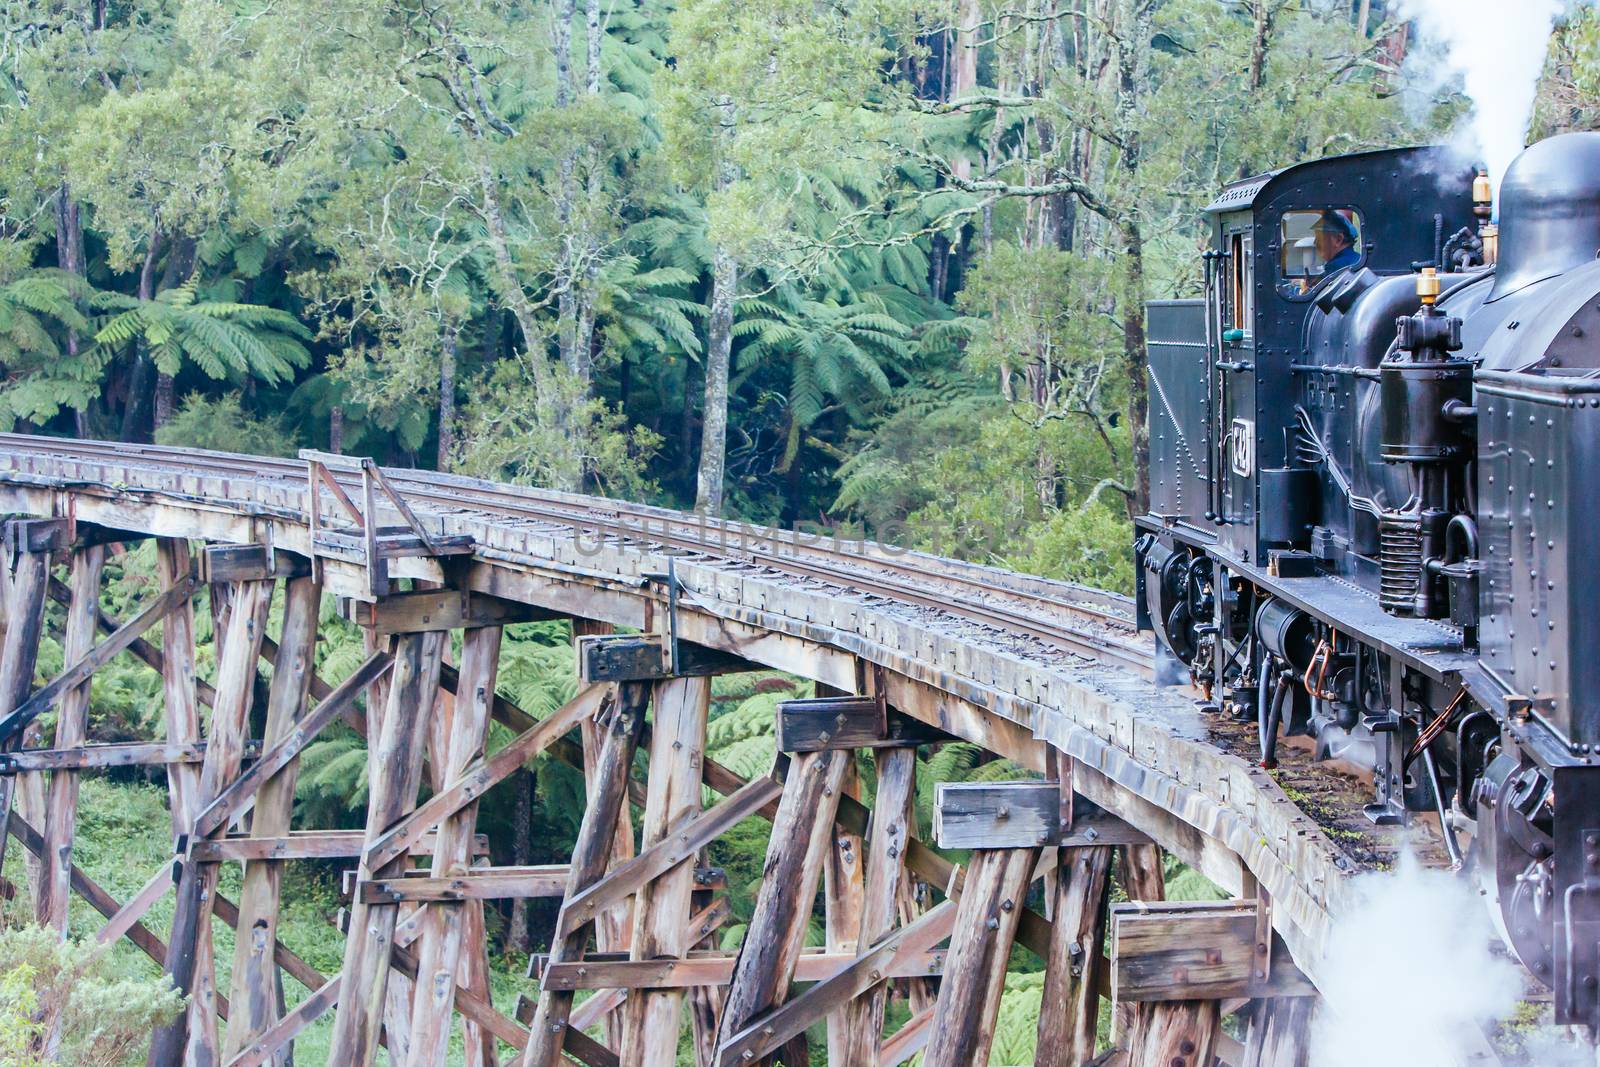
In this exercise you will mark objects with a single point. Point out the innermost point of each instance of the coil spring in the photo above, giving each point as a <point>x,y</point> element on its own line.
<point>1399,561</point>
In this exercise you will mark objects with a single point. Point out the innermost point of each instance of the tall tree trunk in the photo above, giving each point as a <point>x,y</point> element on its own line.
<point>1133,70</point>
<point>583,343</point>
<point>447,397</point>
<point>966,66</point>
<point>562,12</point>
<point>336,428</point>
<point>719,346</point>
<point>135,413</point>
<point>523,789</point>
<point>70,258</point>
<point>180,265</point>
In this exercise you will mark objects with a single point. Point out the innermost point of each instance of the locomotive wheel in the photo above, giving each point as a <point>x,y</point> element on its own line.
<point>1516,864</point>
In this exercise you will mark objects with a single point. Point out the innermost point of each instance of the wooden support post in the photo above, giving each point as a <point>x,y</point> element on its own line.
<point>802,832</point>
<point>1070,1013</point>
<point>394,775</point>
<point>622,724</point>
<point>843,899</point>
<point>253,992</point>
<point>661,910</point>
<point>72,730</point>
<point>1279,1028</point>
<point>1176,1033</point>
<point>20,653</point>
<point>986,923</point>
<point>179,689</point>
<point>885,865</point>
<point>444,923</point>
<point>613,928</point>
<point>190,959</point>
<point>1140,874</point>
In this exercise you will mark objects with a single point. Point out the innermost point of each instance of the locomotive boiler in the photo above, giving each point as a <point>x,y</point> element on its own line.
<point>1375,503</point>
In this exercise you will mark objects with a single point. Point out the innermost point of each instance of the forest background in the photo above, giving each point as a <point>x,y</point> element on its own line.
<point>878,265</point>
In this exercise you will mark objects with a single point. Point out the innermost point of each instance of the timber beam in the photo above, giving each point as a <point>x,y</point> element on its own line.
<point>645,658</point>
<point>481,883</point>
<point>1197,950</point>
<point>1021,815</point>
<point>817,723</point>
<point>249,563</point>
<point>303,845</point>
<point>439,609</point>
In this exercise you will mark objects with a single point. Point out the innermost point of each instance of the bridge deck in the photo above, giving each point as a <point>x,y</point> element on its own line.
<point>1016,664</point>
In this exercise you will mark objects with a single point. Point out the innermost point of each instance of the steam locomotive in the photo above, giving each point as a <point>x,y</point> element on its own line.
<point>1375,505</point>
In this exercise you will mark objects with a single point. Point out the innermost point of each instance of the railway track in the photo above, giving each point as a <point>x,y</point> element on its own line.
<point>1085,622</point>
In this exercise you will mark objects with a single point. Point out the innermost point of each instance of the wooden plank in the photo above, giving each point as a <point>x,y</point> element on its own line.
<point>303,845</point>
<point>271,781</point>
<point>474,883</point>
<point>439,609</point>
<point>1195,950</point>
<point>443,923</point>
<point>892,820</point>
<point>814,723</point>
<point>249,563</point>
<point>698,832</point>
<point>895,955</point>
<point>801,833</point>
<point>72,730</point>
<point>484,774</point>
<point>609,970</point>
<point>969,995</point>
<point>643,658</point>
<point>280,758</point>
<point>1070,1014</point>
<point>190,961</point>
<point>394,775</point>
<point>1140,873</point>
<point>29,536</point>
<point>1019,815</point>
<point>650,1019</point>
<point>623,723</point>
<point>105,756</point>
<point>83,668</point>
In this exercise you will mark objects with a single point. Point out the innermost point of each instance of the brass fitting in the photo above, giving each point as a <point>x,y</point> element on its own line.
<point>1428,286</point>
<point>1482,195</point>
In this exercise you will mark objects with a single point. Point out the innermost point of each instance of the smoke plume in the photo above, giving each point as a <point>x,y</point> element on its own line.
<point>1497,47</point>
<point>1409,975</point>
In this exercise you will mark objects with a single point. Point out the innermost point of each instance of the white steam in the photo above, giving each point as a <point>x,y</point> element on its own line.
<point>1409,975</point>
<point>1497,47</point>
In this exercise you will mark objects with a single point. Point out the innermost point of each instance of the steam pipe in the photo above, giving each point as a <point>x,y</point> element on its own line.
<point>1269,735</point>
<point>1450,844</point>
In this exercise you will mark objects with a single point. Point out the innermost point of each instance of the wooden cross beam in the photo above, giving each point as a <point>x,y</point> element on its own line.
<point>242,790</point>
<point>484,775</point>
<point>83,669</point>
<point>702,829</point>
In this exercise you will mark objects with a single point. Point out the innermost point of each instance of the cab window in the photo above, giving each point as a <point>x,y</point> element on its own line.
<point>1315,244</point>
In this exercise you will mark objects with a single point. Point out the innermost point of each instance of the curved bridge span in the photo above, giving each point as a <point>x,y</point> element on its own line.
<point>905,650</point>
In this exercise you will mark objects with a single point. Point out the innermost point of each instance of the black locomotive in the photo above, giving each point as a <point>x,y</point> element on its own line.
<point>1375,505</point>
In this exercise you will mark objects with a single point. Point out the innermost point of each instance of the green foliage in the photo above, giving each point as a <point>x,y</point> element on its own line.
<point>222,424</point>
<point>104,1019</point>
<point>223,338</point>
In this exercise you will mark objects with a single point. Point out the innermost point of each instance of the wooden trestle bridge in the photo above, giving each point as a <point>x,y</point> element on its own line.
<point>906,650</point>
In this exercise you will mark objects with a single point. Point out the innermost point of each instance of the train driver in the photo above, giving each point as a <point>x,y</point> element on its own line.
<point>1336,242</point>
